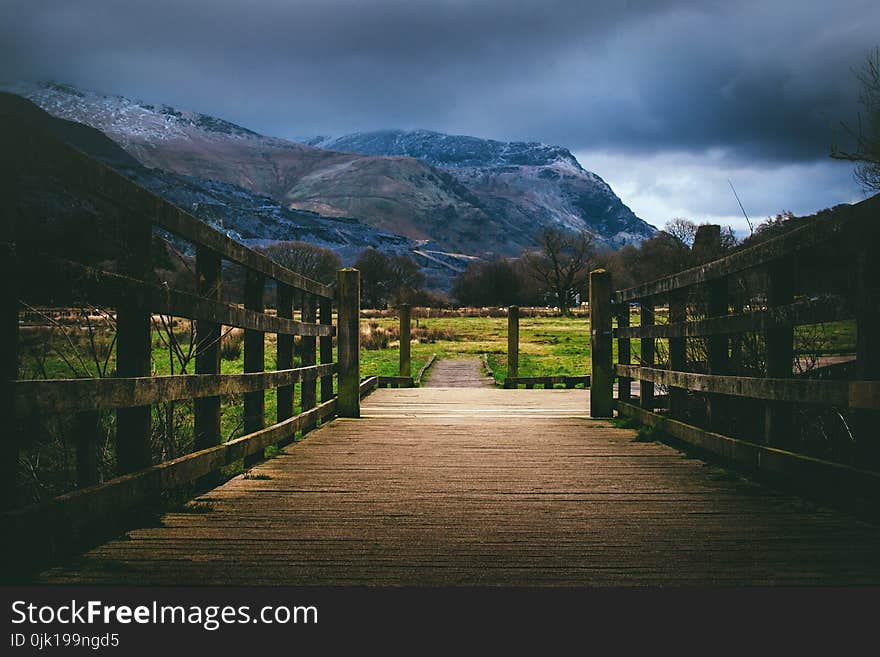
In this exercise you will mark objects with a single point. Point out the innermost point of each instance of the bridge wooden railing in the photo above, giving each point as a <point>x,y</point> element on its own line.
<point>33,277</point>
<point>514,380</point>
<point>824,271</point>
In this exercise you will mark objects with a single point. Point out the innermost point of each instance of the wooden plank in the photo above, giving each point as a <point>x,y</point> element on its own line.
<point>66,395</point>
<point>825,309</point>
<point>646,386</point>
<point>513,341</point>
<point>801,391</point>
<point>326,347</point>
<point>423,490</point>
<point>308,355</point>
<point>717,350</point>
<point>284,352</point>
<point>819,232</point>
<point>602,371</point>
<point>77,518</point>
<point>134,347</point>
<point>9,446</point>
<point>624,354</point>
<point>779,351</point>
<point>368,385</point>
<point>63,282</point>
<point>812,475</point>
<point>207,409</point>
<point>254,353</point>
<point>348,290</point>
<point>677,352</point>
<point>405,368</point>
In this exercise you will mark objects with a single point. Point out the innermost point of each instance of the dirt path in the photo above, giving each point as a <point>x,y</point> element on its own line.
<point>458,373</point>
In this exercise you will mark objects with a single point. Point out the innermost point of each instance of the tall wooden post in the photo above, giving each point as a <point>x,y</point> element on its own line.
<point>717,353</point>
<point>325,308</point>
<point>207,409</point>
<point>284,356</point>
<point>133,350</point>
<point>308,344</point>
<point>602,370</point>
<point>646,388</point>
<point>254,353</point>
<point>9,445</point>
<point>868,342</point>
<point>677,350</point>
<point>780,350</point>
<point>405,359</point>
<point>513,342</point>
<point>624,353</point>
<point>348,290</point>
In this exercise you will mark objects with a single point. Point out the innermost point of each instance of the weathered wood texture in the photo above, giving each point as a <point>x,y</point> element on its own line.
<point>513,341</point>
<point>486,487</point>
<point>405,368</point>
<point>348,298</point>
<point>61,395</point>
<point>547,381</point>
<point>852,394</point>
<point>602,372</point>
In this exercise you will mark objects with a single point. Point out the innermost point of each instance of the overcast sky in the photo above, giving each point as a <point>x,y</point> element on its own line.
<point>666,100</point>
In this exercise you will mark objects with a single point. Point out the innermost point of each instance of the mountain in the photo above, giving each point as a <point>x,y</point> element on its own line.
<point>444,199</point>
<point>526,183</point>
<point>241,214</point>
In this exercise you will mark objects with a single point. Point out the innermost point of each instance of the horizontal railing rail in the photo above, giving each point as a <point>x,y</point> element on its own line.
<point>132,296</point>
<point>730,348</point>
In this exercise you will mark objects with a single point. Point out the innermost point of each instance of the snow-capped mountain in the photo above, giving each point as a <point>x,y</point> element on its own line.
<point>529,182</point>
<point>453,197</point>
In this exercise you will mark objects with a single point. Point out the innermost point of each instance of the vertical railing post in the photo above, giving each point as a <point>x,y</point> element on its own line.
<point>624,353</point>
<point>133,350</point>
<point>646,318</point>
<point>254,353</point>
<point>868,342</point>
<point>9,476</point>
<point>284,355</point>
<point>677,350</point>
<point>405,359</point>
<point>512,343</point>
<point>207,409</point>
<point>308,344</point>
<point>348,290</point>
<point>780,350</point>
<point>717,351</point>
<point>325,308</point>
<point>602,370</point>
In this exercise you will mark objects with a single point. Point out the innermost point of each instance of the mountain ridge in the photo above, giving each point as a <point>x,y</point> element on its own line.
<point>490,201</point>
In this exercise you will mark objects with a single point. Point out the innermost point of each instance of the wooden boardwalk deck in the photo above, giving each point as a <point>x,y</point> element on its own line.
<point>461,486</point>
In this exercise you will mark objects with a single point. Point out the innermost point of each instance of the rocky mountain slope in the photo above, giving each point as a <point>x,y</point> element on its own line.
<point>458,195</point>
<point>525,183</point>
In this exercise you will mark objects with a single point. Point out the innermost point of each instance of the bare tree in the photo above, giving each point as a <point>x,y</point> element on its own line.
<point>312,261</point>
<point>867,133</point>
<point>562,263</point>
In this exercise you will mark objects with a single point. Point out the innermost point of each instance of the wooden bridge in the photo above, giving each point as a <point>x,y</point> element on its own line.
<point>457,484</point>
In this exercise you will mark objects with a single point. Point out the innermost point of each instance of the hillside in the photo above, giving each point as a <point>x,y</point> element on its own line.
<point>483,205</point>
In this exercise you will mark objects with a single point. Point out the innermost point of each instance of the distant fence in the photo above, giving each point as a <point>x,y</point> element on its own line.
<point>825,271</point>
<point>514,380</point>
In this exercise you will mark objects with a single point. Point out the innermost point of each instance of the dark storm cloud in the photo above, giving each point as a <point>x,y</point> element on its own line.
<point>759,80</point>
